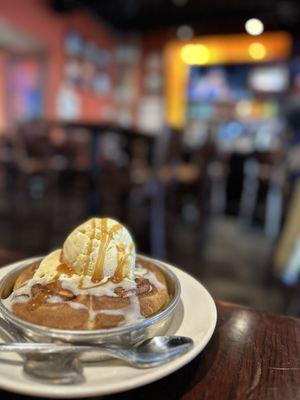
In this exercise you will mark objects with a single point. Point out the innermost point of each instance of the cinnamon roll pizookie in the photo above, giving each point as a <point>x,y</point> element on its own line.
<point>95,281</point>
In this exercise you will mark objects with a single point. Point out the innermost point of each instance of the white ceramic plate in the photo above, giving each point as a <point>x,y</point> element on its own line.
<point>195,316</point>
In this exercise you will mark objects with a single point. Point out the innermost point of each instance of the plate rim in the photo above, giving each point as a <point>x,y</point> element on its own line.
<point>85,391</point>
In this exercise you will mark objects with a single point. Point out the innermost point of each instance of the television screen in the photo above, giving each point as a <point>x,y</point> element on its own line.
<point>218,84</point>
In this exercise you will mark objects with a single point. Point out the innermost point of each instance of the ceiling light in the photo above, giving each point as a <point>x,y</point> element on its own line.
<point>185,32</point>
<point>257,51</point>
<point>254,26</point>
<point>195,54</point>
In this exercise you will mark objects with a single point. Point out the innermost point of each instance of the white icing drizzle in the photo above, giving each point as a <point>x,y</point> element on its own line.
<point>55,299</point>
<point>150,275</point>
<point>120,311</point>
<point>92,315</point>
<point>8,302</point>
<point>133,312</point>
<point>77,306</point>
<point>141,273</point>
<point>152,278</point>
<point>89,288</point>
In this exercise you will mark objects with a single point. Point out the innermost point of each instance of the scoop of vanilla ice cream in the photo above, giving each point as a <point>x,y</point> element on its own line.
<point>48,266</point>
<point>100,248</point>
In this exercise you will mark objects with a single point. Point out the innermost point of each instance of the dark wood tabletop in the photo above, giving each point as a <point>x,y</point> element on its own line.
<point>252,355</point>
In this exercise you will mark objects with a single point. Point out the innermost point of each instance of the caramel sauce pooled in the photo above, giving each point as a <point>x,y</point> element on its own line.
<point>40,294</point>
<point>38,299</point>
<point>64,269</point>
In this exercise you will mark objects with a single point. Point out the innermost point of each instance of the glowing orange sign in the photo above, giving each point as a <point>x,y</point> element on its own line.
<point>212,50</point>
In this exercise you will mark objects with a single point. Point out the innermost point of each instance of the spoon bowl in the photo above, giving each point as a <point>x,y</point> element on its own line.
<point>160,349</point>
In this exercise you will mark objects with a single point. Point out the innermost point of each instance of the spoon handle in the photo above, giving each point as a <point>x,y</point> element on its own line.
<point>60,349</point>
<point>147,354</point>
<point>25,348</point>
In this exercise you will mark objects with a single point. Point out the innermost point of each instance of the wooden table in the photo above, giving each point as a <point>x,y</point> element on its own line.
<point>252,355</point>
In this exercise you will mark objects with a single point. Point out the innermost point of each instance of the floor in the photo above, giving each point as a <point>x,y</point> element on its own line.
<point>233,265</point>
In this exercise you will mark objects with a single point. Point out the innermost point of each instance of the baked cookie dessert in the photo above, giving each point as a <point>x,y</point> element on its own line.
<point>95,281</point>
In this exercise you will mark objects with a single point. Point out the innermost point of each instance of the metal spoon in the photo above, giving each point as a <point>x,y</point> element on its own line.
<point>149,353</point>
<point>57,368</point>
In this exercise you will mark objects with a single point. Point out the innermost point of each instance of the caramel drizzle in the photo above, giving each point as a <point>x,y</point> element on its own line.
<point>106,237</point>
<point>122,260</point>
<point>88,256</point>
<point>90,247</point>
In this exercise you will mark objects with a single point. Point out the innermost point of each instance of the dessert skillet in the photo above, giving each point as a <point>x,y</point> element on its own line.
<point>123,335</point>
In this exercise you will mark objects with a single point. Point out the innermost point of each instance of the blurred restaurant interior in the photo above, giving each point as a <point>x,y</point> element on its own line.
<point>180,118</point>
